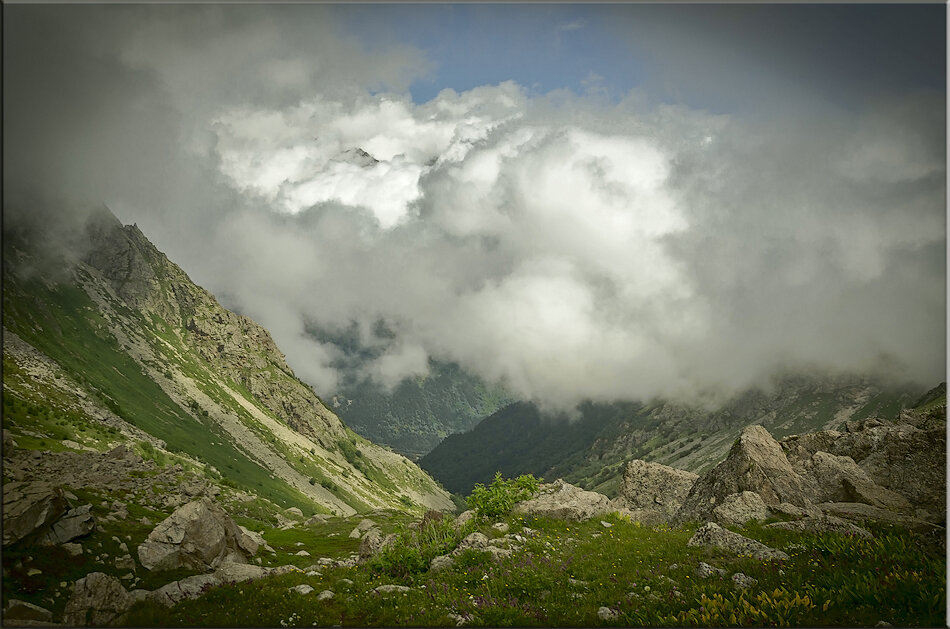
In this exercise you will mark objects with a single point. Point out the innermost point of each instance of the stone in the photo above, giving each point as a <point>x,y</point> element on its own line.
<point>440,563</point>
<point>711,534</point>
<point>189,587</point>
<point>704,571</point>
<point>563,501</point>
<point>858,511</point>
<point>364,525</point>
<point>373,542</point>
<point>737,509</point>
<point>317,518</point>
<point>464,518</point>
<point>302,589</point>
<point>198,535</point>
<point>605,613</point>
<point>756,463</point>
<point>606,525</point>
<point>742,581</point>
<point>388,589</point>
<point>477,541</point>
<point>73,549</point>
<point>30,507</point>
<point>501,527</point>
<point>325,595</point>
<point>125,562</point>
<point>75,523</point>
<point>21,610</point>
<point>294,511</point>
<point>653,492</point>
<point>96,599</point>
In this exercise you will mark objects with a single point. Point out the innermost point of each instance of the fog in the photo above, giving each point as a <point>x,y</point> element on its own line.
<point>570,244</point>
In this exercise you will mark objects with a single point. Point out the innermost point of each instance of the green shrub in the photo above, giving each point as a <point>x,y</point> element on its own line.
<point>416,545</point>
<point>499,498</point>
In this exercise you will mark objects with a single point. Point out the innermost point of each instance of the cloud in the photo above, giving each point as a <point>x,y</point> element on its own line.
<point>569,246</point>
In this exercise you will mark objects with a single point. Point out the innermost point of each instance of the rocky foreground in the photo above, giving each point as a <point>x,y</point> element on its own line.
<point>181,538</point>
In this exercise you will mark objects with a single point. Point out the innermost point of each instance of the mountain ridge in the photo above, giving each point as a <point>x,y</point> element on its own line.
<point>154,350</point>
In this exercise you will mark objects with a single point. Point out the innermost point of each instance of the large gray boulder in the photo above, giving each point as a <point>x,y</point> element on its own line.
<point>30,507</point>
<point>652,492</point>
<point>96,599</point>
<point>711,534</point>
<point>833,478</point>
<point>738,509</point>
<point>564,501</point>
<point>198,535</point>
<point>755,463</point>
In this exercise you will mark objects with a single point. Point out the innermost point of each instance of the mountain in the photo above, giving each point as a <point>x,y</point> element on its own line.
<point>590,450</point>
<point>107,343</point>
<point>419,412</point>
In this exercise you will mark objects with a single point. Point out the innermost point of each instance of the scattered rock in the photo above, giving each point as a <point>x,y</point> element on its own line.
<point>325,595</point>
<point>743,582</point>
<point>564,501</point>
<point>96,599</point>
<point>303,588</point>
<point>373,542</point>
<point>606,525</point>
<point>294,511</point>
<point>317,518</point>
<point>859,511</point>
<point>362,527</point>
<point>711,534</point>
<point>302,553</point>
<point>198,535</point>
<point>501,527</point>
<point>737,509</point>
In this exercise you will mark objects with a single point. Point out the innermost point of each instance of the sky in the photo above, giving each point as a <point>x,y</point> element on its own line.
<point>603,202</point>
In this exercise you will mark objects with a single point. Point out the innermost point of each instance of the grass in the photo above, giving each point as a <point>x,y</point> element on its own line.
<point>567,571</point>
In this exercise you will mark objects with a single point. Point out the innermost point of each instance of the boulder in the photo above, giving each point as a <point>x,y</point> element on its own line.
<point>364,525</point>
<point>857,511</point>
<point>464,518</point>
<point>742,581</point>
<point>564,501</point>
<point>189,587</point>
<point>651,491</point>
<point>96,599</point>
<point>869,492</point>
<point>711,534</point>
<point>30,507</point>
<point>440,563</point>
<point>738,509</point>
<point>198,535</point>
<point>75,523</point>
<point>755,463</point>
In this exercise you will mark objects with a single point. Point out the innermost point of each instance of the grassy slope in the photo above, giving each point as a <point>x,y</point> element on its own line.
<point>568,571</point>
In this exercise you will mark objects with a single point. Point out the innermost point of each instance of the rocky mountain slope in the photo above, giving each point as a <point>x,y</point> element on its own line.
<point>591,450</point>
<point>110,343</point>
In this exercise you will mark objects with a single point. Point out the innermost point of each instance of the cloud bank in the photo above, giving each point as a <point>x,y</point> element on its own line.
<point>568,246</point>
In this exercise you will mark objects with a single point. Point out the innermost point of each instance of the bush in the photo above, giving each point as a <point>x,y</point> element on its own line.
<point>416,545</point>
<point>500,497</point>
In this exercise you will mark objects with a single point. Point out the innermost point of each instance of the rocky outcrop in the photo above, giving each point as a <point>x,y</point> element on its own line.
<point>823,524</point>
<point>30,507</point>
<point>756,463</point>
<point>199,536</point>
<point>652,492</point>
<point>564,501</point>
<point>902,465</point>
<point>96,599</point>
<point>711,534</point>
